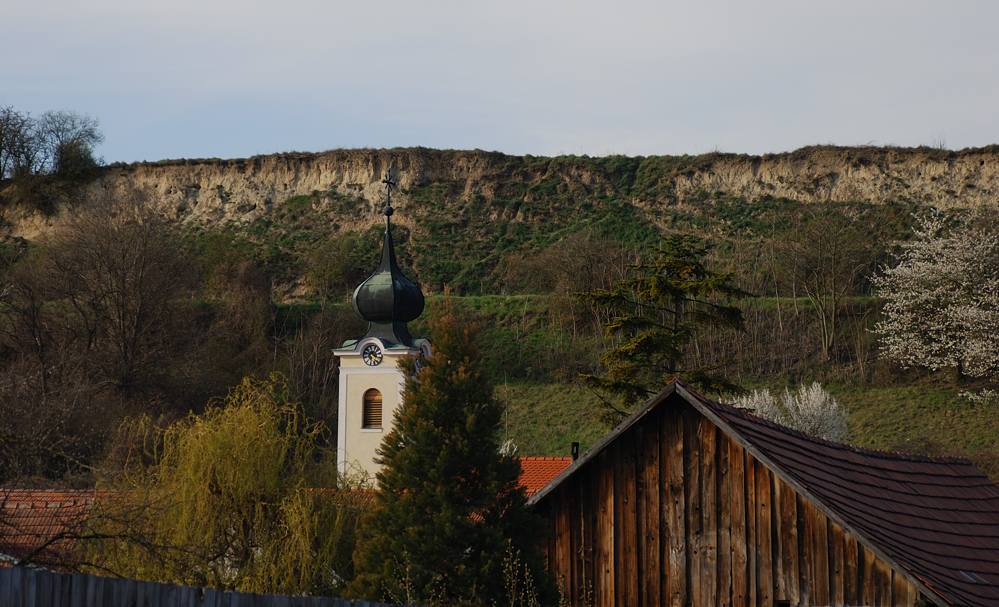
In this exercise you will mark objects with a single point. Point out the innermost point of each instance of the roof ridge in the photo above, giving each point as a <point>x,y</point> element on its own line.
<point>879,453</point>
<point>550,458</point>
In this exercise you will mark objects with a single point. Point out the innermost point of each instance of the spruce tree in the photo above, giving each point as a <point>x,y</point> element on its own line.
<point>449,509</point>
<point>655,314</point>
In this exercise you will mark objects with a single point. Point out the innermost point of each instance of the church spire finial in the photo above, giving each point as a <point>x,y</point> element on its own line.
<point>389,184</point>
<point>387,299</point>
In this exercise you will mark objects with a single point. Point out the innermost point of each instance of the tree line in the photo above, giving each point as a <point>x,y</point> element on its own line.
<point>56,142</point>
<point>120,316</point>
<point>116,315</point>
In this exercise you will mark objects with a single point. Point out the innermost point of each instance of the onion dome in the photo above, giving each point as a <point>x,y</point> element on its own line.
<point>387,294</point>
<point>387,299</point>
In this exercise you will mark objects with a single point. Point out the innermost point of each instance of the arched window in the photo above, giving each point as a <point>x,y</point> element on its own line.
<point>371,416</point>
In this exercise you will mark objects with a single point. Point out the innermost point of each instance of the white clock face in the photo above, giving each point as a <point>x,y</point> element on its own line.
<point>372,355</point>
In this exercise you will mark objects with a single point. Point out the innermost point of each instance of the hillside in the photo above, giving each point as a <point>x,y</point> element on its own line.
<point>461,213</point>
<point>516,236</point>
<point>213,192</point>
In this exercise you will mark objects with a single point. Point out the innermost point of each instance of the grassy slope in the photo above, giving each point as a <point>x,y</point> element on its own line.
<point>545,419</point>
<point>928,419</point>
<point>548,410</point>
<point>923,418</point>
<point>462,242</point>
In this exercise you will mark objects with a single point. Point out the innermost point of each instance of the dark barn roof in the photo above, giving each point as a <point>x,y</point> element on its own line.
<point>935,520</point>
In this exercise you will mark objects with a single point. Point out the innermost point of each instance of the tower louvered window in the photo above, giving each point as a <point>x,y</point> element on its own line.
<point>371,416</point>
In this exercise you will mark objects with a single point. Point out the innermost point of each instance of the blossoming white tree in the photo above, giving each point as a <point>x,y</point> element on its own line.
<point>942,299</point>
<point>811,410</point>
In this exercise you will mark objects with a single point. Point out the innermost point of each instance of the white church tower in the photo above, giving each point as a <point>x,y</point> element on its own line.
<point>370,380</point>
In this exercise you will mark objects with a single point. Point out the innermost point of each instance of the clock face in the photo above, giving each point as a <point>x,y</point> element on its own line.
<point>372,355</point>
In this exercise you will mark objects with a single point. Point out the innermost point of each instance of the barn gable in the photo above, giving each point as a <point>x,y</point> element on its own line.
<point>690,502</point>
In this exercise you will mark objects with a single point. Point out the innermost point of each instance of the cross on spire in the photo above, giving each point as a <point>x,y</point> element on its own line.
<point>389,184</point>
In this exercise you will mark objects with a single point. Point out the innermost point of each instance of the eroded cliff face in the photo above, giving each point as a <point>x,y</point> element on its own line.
<point>859,174</point>
<point>215,193</point>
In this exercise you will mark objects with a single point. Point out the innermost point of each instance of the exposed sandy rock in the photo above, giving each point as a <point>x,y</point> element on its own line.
<point>219,192</point>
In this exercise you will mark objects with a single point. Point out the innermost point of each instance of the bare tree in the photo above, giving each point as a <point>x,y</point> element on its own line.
<point>119,268</point>
<point>59,142</point>
<point>11,127</point>
<point>68,139</point>
<point>313,370</point>
<point>20,145</point>
<point>104,286</point>
<point>90,329</point>
<point>240,336</point>
<point>827,255</point>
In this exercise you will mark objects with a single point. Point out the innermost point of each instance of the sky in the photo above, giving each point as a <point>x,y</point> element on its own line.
<point>228,79</point>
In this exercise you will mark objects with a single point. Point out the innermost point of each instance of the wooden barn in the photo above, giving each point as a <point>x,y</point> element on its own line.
<point>692,502</point>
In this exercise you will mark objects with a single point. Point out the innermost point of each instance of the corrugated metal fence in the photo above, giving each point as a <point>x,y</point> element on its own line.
<point>20,587</point>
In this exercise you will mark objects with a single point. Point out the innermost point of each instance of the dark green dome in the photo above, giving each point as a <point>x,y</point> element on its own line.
<point>387,299</point>
<point>387,295</point>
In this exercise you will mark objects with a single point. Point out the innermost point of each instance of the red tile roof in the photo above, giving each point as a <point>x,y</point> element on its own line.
<point>539,471</point>
<point>40,524</point>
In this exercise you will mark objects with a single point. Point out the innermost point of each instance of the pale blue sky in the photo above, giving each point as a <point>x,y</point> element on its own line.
<point>220,78</point>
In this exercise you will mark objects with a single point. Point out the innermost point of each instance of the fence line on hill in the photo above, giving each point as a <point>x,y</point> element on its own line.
<point>22,587</point>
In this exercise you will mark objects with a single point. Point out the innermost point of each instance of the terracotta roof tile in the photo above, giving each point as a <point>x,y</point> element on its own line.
<point>39,523</point>
<point>539,471</point>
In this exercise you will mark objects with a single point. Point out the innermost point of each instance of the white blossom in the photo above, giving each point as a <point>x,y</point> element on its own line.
<point>508,448</point>
<point>811,410</point>
<point>942,299</point>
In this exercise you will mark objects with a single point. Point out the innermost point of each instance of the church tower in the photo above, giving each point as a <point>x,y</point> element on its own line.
<point>370,380</point>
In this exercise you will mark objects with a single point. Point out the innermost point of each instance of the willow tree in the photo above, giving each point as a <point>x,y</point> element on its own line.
<point>229,499</point>
<point>655,313</point>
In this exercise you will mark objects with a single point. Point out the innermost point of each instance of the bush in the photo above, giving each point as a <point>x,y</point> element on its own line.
<point>811,410</point>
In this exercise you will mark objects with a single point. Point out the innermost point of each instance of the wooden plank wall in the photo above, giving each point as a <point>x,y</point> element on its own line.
<point>675,513</point>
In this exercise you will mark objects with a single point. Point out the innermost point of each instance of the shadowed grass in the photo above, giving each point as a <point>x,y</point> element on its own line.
<point>545,419</point>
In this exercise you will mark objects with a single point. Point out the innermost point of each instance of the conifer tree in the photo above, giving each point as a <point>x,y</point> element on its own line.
<point>449,507</point>
<point>654,315</point>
